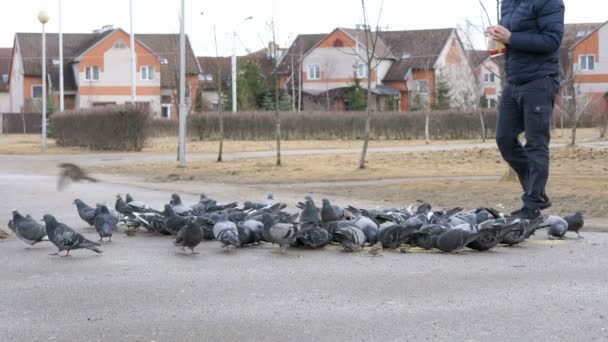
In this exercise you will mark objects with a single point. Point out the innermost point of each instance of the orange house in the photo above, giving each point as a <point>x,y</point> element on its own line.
<point>405,68</point>
<point>97,71</point>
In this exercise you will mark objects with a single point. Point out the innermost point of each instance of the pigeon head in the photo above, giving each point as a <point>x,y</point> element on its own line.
<point>118,197</point>
<point>103,209</point>
<point>169,209</point>
<point>267,220</point>
<point>49,219</point>
<point>326,201</point>
<point>176,199</point>
<point>270,197</point>
<point>78,202</point>
<point>16,214</point>
<point>129,198</point>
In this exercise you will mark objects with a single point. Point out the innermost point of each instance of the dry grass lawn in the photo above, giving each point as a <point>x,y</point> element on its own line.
<point>30,144</point>
<point>579,177</point>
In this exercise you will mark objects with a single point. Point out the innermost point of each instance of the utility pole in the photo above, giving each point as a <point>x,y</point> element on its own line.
<point>61,103</point>
<point>182,87</point>
<point>133,61</point>
<point>43,17</point>
<point>234,107</point>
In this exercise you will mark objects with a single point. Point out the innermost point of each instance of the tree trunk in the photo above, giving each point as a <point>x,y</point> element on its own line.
<point>573,142</point>
<point>483,125</point>
<point>368,118</point>
<point>426,127</point>
<point>221,150</point>
<point>277,117</point>
<point>293,85</point>
<point>23,121</point>
<point>300,82</point>
<point>604,127</point>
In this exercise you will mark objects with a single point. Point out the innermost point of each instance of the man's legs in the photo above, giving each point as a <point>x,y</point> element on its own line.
<point>537,98</point>
<point>510,123</point>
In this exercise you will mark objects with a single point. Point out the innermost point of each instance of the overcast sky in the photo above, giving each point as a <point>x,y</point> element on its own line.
<point>292,17</point>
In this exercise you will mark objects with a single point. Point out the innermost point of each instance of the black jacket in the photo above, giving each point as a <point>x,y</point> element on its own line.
<point>537,29</point>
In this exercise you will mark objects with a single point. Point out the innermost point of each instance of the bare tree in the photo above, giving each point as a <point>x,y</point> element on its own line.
<point>220,96</point>
<point>371,61</point>
<point>582,103</point>
<point>604,127</point>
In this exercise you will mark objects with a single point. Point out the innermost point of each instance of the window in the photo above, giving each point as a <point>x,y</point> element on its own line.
<point>362,71</point>
<point>166,111</point>
<point>147,73</point>
<point>37,91</point>
<point>91,73</point>
<point>581,33</point>
<point>120,44</point>
<point>489,78</point>
<point>5,78</point>
<point>423,86</point>
<point>314,72</point>
<point>491,103</point>
<point>587,62</point>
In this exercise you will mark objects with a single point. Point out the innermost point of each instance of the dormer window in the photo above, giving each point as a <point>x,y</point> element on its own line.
<point>581,33</point>
<point>147,73</point>
<point>91,73</point>
<point>120,44</point>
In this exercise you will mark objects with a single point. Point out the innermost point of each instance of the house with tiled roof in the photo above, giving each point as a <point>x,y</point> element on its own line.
<point>588,57</point>
<point>487,71</point>
<point>408,66</point>
<point>6,55</point>
<point>97,70</point>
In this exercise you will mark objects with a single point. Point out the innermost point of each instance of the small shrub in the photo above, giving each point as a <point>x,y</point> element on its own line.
<point>119,128</point>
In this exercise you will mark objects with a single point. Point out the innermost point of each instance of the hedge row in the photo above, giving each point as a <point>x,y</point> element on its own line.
<point>341,125</point>
<point>120,128</point>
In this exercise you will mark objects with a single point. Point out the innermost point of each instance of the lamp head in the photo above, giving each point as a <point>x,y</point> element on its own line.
<point>43,17</point>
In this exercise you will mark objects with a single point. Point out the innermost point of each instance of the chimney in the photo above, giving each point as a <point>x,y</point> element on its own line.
<point>104,28</point>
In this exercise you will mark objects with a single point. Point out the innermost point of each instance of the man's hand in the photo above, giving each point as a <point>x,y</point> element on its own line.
<point>499,33</point>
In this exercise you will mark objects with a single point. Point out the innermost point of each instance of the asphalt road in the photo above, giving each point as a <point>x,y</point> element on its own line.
<point>144,289</point>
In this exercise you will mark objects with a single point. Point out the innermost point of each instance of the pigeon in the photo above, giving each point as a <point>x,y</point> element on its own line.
<point>247,236</point>
<point>105,223</point>
<point>454,239</point>
<point>485,214</point>
<point>351,238</point>
<point>178,207</point>
<point>491,236</point>
<point>395,235</point>
<point>376,249</point>
<point>369,228</point>
<point>310,213</point>
<point>189,236</point>
<point>556,227</point>
<point>72,173</point>
<point>270,201</point>
<point>575,223</point>
<point>86,213</point>
<point>312,237</point>
<point>331,213</point>
<point>27,229</point>
<point>153,222</point>
<point>279,233</point>
<point>173,222</point>
<point>135,205</point>
<point>226,232</point>
<point>206,223</point>
<point>525,229</point>
<point>427,235</point>
<point>65,238</point>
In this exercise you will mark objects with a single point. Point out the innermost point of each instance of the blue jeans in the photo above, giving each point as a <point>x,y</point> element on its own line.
<point>527,108</point>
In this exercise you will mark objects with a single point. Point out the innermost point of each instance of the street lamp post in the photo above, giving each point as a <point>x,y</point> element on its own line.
<point>182,88</point>
<point>43,17</point>
<point>61,103</point>
<point>234,37</point>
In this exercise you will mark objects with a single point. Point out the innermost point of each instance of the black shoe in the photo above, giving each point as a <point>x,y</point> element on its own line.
<point>526,213</point>
<point>547,203</point>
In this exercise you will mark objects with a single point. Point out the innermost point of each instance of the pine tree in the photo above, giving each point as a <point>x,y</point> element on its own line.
<point>198,101</point>
<point>442,93</point>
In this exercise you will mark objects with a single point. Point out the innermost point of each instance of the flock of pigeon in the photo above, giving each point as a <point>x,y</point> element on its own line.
<point>313,227</point>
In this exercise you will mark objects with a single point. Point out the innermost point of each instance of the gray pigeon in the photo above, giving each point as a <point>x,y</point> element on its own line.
<point>369,228</point>
<point>178,207</point>
<point>575,223</point>
<point>72,173</point>
<point>226,232</point>
<point>311,237</point>
<point>427,236</point>
<point>137,206</point>
<point>173,222</point>
<point>86,213</point>
<point>27,229</point>
<point>525,229</point>
<point>250,232</point>
<point>279,233</point>
<point>310,213</point>
<point>65,238</point>
<point>454,239</point>
<point>331,213</point>
<point>491,236</point>
<point>105,222</point>
<point>351,238</point>
<point>189,236</point>
<point>557,226</point>
<point>393,236</point>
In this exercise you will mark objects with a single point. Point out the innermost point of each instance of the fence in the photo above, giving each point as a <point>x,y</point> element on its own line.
<point>20,123</point>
